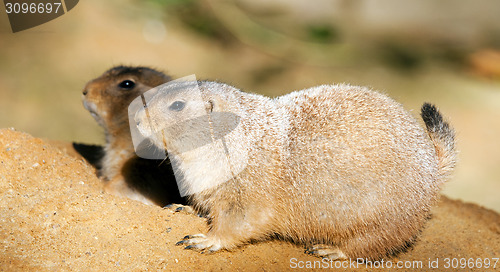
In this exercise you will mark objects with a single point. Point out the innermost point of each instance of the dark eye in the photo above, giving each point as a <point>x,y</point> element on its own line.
<point>177,106</point>
<point>126,84</point>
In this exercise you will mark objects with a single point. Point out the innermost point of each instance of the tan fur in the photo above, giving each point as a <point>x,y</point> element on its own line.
<point>342,169</point>
<point>124,173</point>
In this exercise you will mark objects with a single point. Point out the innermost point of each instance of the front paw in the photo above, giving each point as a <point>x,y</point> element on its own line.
<point>201,243</point>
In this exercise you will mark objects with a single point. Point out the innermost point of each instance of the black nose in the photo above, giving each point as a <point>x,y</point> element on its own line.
<point>85,92</point>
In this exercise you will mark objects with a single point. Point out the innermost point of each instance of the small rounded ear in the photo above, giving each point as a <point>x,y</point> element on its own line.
<point>209,106</point>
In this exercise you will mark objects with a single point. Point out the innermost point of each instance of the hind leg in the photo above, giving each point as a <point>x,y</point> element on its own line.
<point>326,251</point>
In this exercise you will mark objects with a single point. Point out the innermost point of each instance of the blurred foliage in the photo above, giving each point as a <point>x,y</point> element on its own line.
<point>409,57</point>
<point>264,74</point>
<point>269,29</point>
<point>323,33</point>
<point>402,57</point>
<point>197,17</point>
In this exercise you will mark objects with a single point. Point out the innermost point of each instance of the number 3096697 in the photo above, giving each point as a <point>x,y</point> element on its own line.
<point>470,263</point>
<point>32,8</point>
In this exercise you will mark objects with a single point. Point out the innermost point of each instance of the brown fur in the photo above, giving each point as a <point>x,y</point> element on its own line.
<point>342,169</point>
<point>125,174</point>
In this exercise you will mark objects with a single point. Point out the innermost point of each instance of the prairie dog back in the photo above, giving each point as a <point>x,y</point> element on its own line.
<point>361,162</point>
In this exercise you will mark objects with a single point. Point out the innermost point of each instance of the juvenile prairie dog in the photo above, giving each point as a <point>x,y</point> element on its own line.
<point>342,169</point>
<point>107,99</point>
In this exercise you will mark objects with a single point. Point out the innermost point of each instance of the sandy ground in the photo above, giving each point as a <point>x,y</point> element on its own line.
<point>54,216</point>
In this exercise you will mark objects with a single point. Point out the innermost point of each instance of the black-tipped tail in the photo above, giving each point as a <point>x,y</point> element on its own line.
<point>443,137</point>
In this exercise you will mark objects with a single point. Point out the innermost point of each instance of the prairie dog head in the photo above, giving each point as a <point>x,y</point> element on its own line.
<point>175,116</point>
<point>107,97</point>
<point>198,124</point>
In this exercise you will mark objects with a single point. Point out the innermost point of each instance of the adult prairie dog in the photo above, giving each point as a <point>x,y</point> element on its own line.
<point>107,99</point>
<point>342,169</point>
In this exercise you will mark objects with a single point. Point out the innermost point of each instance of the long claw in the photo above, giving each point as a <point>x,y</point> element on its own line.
<point>200,242</point>
<point>180,208</point>
<point>326,251</point>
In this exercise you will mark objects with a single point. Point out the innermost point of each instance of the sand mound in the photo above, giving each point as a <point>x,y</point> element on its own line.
<point>54,216</point>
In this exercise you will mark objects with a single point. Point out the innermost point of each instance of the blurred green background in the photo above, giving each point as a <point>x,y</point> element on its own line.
<point>445,52</point>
